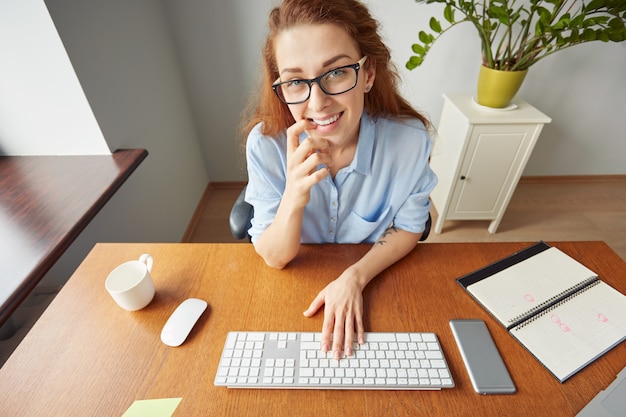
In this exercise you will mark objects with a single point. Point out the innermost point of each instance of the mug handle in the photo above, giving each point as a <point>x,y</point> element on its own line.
<point>147,259</point>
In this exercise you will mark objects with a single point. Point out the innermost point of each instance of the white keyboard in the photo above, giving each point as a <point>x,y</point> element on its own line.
<point>294,360</point>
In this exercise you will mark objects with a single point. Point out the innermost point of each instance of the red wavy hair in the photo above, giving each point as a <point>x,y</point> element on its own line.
<point>355,18</point>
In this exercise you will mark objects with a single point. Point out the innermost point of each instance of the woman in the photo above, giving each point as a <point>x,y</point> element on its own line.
<point>335,154</point>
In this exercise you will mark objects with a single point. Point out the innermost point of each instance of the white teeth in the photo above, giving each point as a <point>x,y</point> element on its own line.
<point>327,121</point>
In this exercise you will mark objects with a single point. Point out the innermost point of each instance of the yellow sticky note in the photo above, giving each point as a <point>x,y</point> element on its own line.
<point>163,407</point>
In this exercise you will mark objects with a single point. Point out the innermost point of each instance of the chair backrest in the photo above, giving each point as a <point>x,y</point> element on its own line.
<point>427,227</point>
<point>241,216</point>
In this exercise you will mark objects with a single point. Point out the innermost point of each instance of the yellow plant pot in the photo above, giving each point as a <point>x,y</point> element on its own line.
<point>497,88</point>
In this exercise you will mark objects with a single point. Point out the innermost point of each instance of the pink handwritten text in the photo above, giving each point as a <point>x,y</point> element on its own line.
<point>556,320</point>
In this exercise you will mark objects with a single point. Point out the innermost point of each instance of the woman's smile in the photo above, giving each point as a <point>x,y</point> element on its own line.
<point>327,121</point>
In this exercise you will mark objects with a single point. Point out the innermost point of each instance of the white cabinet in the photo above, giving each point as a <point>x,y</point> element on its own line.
<point>479,155</point>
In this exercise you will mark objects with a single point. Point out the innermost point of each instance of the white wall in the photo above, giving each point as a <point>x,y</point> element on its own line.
<point>581,89</point>
<point>219,46</point>
<point>125,60</point>
<point>43,109</point>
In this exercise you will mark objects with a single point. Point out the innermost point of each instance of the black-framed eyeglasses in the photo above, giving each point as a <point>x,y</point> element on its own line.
<point>336,81</point>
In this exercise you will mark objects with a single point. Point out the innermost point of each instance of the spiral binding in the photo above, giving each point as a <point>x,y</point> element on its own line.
<point>557,300</point>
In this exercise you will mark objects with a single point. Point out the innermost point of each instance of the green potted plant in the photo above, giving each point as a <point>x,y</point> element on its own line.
<point>516,34</point>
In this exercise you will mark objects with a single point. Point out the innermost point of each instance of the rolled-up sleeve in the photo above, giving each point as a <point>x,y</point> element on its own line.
<point>413,213</point>
<point>266,178</point>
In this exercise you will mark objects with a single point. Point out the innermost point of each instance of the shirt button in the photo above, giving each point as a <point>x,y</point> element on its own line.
<point>332,232</point>
<point>332,219</point>
<point>334,204</point>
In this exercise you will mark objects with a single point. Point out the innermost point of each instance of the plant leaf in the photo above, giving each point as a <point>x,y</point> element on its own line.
<point>426,38</point>
<point>563,23</point>
<point>435,25</point>
<point>414,62</point>
<point>616,23</point>
<point>448,13</point>
<point>418,49</point>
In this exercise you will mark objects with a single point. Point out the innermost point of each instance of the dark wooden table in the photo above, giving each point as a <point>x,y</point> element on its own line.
<point>88,357</point>
<point>45,202</point>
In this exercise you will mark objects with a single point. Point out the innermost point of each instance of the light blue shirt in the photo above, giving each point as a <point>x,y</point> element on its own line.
<point>388,183</point>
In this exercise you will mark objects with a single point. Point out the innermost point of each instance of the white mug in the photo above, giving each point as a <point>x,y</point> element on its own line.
<point>130,284</point>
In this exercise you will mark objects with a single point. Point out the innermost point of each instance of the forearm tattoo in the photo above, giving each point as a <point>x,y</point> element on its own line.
<point>382,240</point>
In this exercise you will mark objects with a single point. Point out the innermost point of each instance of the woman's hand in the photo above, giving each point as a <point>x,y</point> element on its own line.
<point>280,242</point>
<point>343,314</point>
<point>303,160</point>
<point>343,298</point>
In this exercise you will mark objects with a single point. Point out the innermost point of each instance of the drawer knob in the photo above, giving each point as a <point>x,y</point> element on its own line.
<point>463,177</point>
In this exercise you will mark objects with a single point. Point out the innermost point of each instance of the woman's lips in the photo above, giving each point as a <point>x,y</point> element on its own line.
<point>328,121</point>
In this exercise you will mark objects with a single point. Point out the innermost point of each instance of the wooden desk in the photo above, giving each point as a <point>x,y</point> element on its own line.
<point>45,202</point>
<point>88,357</point>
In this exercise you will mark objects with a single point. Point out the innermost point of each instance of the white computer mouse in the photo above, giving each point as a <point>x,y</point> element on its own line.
<point>181,321</point>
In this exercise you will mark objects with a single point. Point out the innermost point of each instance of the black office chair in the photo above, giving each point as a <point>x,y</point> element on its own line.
<point>242,212</point>
<point>241,216</point>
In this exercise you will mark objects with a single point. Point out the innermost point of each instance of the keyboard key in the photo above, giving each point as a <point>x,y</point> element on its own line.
<point>310,345</point>
<point>380,337</point>
<point>434,354</point>
<point>308,337</point>
<point>415,337</point>
<point>438,364</point>
<point>429,337</point>
<point>230,341</point>
<point>403,337</point>
<point>256,336</point>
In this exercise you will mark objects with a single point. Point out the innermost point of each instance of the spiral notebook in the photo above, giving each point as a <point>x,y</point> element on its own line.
<point>557,308</point>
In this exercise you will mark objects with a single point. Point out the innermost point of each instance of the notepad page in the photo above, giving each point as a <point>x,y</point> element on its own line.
<point>526,285</point>
<point>571,335</point>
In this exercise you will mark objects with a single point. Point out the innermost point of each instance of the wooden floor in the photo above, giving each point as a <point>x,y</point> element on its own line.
<point>550,209</point>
